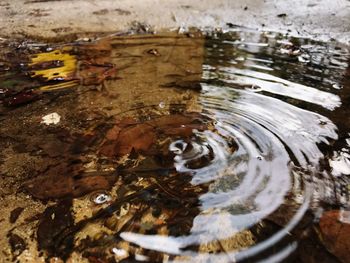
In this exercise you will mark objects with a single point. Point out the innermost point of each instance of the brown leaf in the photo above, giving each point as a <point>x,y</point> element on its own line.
<point>15,213</point>
<point>62,181</point>
<point>53,222</point>
<point>336,235</point>
<point>179,125</point>
<point>128,135</point>
<point>18,245</point>
<point>138,137</point>
<point>92,183</point>
<point>48,187</point>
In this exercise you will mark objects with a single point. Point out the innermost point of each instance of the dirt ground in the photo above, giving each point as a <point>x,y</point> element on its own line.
<point>321,19</point>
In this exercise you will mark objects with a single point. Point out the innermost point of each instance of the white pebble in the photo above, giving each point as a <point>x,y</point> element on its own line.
<point>119,252</point>
<point>52,118</point>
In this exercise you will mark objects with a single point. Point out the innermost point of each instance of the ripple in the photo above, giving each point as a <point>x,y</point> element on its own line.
<point>267,128</point>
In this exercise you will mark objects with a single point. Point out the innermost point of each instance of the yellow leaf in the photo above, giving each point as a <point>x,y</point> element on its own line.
<point>64,72</point>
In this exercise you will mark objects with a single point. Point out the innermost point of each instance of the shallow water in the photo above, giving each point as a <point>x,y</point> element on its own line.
<point>215,147</point>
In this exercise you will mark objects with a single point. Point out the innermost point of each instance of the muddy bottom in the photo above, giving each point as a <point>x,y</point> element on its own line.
<point>194,147</point>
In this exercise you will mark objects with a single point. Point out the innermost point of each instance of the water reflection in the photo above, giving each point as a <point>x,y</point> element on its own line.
<point>185,149</point>
<point>277,122</point>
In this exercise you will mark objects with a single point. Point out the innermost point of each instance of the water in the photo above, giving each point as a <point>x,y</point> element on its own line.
<point>216,147</point>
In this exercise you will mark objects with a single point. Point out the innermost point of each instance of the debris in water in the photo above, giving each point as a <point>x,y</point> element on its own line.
<point>17,243</point>
<point>139,257</point>
<point>65,69</point>
<point>52,118</point>
<point>53,221</point>
<point>20,98</point>
<point>120,252</point>
<point>337,86</point>
<point>335,234</point>
<point>282,15</point>
<point>54,65</point>
<point>15,213</point>
<point>290,50</point>
<point>153,52</point>
<point>101,198</point>
<point>54,185</point>
<point>304,58</point>
<point>129,134</point>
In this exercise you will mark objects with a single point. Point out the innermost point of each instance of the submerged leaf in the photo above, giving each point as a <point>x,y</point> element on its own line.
<point>65,69</point>
<point>336,234</point>
<point>20,98</point>
<point>62,181</point>
<point>128,135</point>
<point>54,220</point>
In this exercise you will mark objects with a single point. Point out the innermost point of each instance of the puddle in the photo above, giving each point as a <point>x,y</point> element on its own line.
<point>216,147</point>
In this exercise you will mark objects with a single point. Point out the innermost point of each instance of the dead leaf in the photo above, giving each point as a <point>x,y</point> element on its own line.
<point>335,235</point>
<point>54,220</point>
<point>62,181</point>
<point>64,70</point>
<point>128,134</point>
<point>61,65</point>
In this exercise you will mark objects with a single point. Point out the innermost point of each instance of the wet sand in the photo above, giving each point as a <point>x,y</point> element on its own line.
<point>326,19</point>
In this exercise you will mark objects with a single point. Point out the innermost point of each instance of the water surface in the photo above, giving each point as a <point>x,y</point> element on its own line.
<point>197,147</point>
